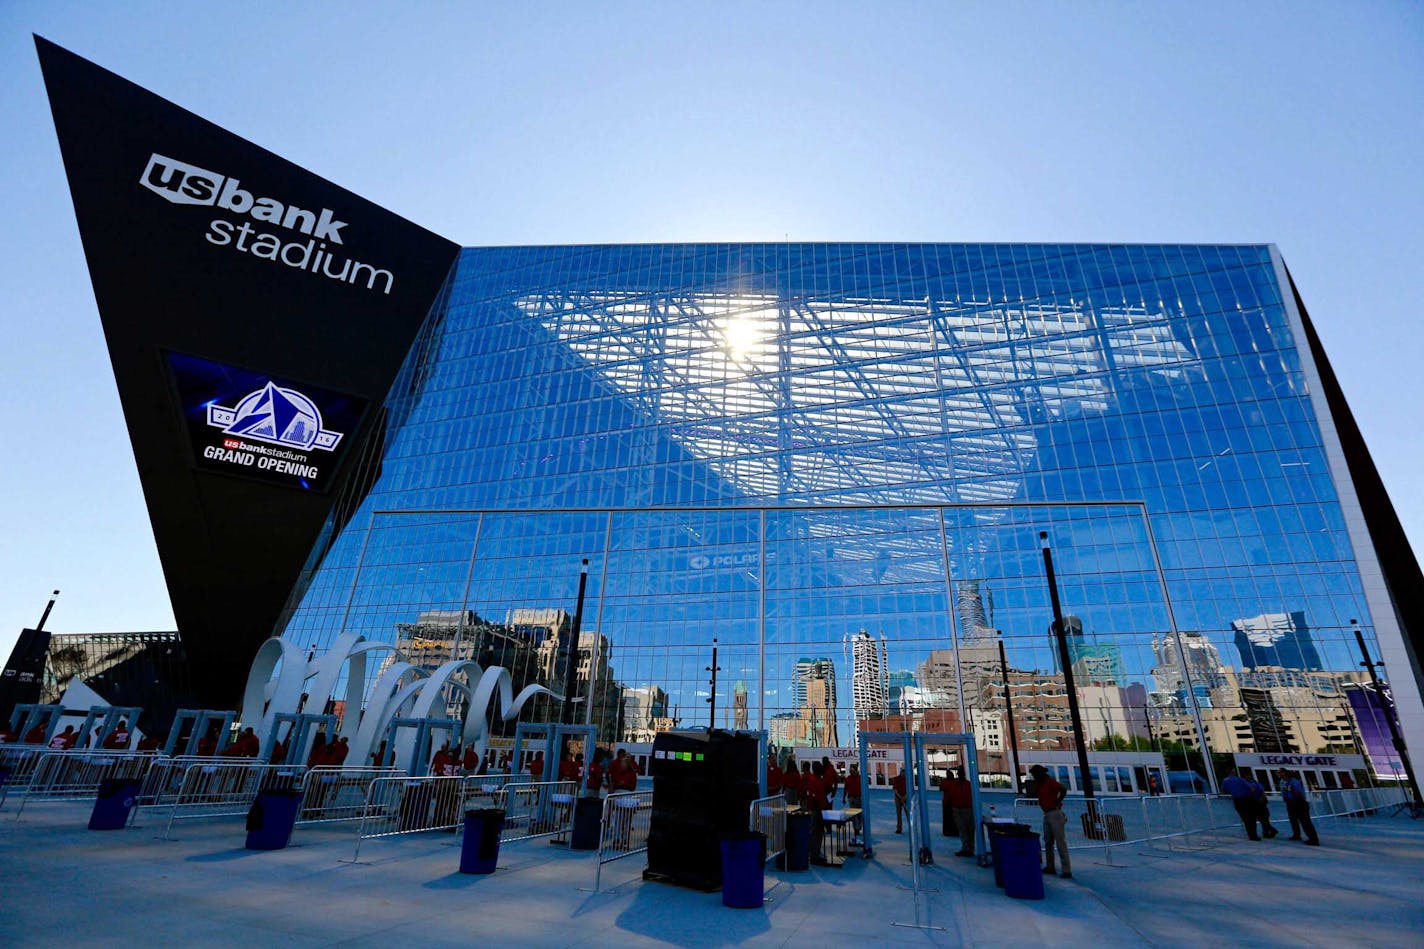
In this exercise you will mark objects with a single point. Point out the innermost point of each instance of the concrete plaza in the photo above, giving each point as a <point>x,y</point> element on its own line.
<point>64,884</point>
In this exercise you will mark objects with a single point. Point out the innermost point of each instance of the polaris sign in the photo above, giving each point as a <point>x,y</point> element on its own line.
<point>179,182</point>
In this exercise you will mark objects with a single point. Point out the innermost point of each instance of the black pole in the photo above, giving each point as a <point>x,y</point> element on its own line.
<point>39,627</point>
<point>1389,720</point>
<point>1009,708</point>
<point>712,699</point>
<point>571,664</point>
<point>1063,659</point>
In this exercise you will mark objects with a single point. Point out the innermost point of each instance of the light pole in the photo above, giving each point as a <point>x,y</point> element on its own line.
<point>571,664</point>
<point>1063,659</point>
<point>712,699</point>
<point>39,627</point>
<point>1009,714</point>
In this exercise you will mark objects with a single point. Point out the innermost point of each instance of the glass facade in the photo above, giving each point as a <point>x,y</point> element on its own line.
<point>837,460</point>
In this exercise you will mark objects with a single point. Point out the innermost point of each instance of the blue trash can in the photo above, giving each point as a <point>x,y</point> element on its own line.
<point>113,804</point>
<point>997,832</point>
<point>1023,880</point>
<point>588,823</point>
<point>479,851</point>
<point>743,869</point>
<point>798,841</point>
<point>271,819</point>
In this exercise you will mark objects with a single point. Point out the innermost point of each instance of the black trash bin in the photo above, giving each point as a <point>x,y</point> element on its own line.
<point>588,821</point>
<point>797,855</point>
<point>113,804</point>
<point>479,851</point>
<point>997,832</point>
<point>271,818</point>
<point>743,869</point>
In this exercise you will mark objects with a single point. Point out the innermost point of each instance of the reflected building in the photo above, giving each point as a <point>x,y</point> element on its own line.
<point>814,690</point>
<point>644,712</point>
<point>869,683</point>
<point>1281,640</point>
<point>739,706</point>
<point>1202,669</point>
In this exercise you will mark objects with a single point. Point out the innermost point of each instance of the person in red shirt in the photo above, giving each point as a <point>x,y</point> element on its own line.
<point>536,767</point>
<point>568,768</point>
<point>317,755</point>
<point>471,762</point>
<point>959,802</point>
<point>623,772</point>
<point>336,752</point>
<point>791,783</point>
<point>1055,823</point>
<point>119,737</point>
<point>36,735</point>
<point>851,794</point>
<point>594,785</point>
<point>897,785</point>
<point>773,776</point>
<point>441,761</point>
<point>830,777</point>
<point>814,797</point>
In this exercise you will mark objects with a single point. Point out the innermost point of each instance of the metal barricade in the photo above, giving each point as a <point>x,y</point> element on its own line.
<point>71,775</point>
<point>403,805</point>
<point>224,788</point>
<point>623,832</point>
<point>165,778</point>
<point>542,809</point>
<point>1162,822</point>
<point>331,793</point>
<point>767,816</point>
<point>20,761</point>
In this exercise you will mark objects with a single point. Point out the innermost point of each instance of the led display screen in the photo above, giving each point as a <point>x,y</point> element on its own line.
<point>256,425</point>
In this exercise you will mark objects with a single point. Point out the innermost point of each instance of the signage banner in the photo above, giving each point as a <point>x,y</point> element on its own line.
<point>1293,762</point>
<point>257,425</point>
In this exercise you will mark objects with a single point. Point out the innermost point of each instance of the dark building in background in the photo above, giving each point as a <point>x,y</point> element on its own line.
<point>149,670</point>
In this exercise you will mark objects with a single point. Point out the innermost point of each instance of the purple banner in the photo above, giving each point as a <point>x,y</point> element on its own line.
<point>1370,711</point>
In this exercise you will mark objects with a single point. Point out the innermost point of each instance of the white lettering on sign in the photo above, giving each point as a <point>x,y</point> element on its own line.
<point>181,183</point>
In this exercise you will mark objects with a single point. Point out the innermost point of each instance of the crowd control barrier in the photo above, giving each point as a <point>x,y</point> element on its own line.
<point>397,805</point>
<point>537,809</point>
<point>331,793</point>
<point>221,788</point>
<point>78,775</point>
<point>767,816</point>
<point>19,763</point>
<point>1162,824</point>
<point>627,818</point>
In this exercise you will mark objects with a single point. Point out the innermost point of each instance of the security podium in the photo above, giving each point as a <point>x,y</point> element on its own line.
<point>703,785</point>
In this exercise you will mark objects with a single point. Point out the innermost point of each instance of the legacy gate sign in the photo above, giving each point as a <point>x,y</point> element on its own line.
<point>256,316</point>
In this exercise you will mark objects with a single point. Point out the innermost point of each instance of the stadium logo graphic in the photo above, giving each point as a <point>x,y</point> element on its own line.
<point>275,415</point>
<point>181,183</point>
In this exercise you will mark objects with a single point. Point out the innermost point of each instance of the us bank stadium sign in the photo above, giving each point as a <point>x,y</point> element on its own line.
<point>251,424</point>
<point>280,225</point>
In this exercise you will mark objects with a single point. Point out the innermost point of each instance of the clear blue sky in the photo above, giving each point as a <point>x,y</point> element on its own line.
<point>1297,123</point>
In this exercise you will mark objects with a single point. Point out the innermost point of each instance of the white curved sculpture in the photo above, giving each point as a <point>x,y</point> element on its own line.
<point>402,690</point>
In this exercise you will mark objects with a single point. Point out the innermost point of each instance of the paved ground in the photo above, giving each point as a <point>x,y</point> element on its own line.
<point>61,884</point>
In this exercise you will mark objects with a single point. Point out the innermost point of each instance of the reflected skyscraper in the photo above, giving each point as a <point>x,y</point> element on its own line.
<point>868,681</point>
<point>1280,640</point>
